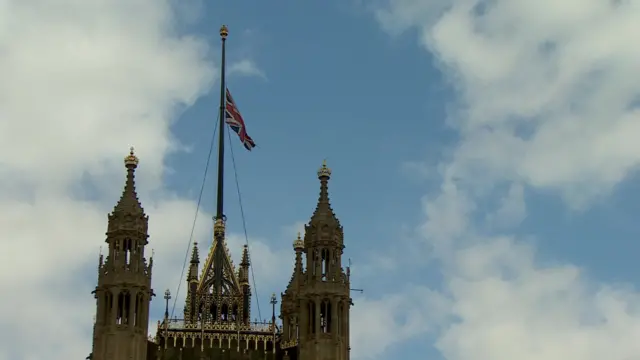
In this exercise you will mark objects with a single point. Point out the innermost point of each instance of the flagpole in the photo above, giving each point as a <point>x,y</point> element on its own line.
<point>224,32</point>
<point>219,226</point>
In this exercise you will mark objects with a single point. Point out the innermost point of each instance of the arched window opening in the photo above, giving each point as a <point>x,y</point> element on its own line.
<point>127,308</point>
<point>108,305</point>
<point>312,317</point>
<point>214,311</point>
<point>325,316</point>
<point>234,312</point>
<point>127,251</point>
<point>200,313</point>
<point>325,264</point>
<point>289,327</point>
<point>136,311</point>
<point>224,314</point>
<point>135,248</point>
<point>120,309</point>
<point>142,314</point>
<point>340,314</point>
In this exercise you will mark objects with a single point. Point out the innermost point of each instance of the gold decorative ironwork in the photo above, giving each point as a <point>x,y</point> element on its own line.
<point>255,335</point>
<point>228,267</point>
<point>218,227</point>
<point>224,32</point>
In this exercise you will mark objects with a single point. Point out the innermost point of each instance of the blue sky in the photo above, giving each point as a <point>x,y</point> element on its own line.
<point>483,153</point>
<point>338,86</point>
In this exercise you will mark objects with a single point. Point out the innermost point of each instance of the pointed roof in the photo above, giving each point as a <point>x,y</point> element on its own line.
<point>228,270</point>
<point>245,257</point>
<point>129,203</point>
<point>195,258</point>
<point>243,271</point>
<point>298,246</point>
<point>324,213</point>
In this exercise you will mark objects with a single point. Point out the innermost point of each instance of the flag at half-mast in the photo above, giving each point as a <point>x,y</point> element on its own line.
<point>235,121</point>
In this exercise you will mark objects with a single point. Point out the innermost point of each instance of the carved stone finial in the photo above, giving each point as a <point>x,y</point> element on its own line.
<point>298,244</point>
<point>131,159</point>
<point>324,171</point>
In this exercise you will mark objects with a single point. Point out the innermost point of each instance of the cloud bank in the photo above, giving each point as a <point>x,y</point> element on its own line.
<point>546,100</point>
<point>81,82</point>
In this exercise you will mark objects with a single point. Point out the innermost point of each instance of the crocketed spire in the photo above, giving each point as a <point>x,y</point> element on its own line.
<point>323,212</point>
<point>243,271</point>
<point>245,257</point>
<point>195,257</point>
<point>298,246</point>
<point>129,203</point>
<point>195,261</point>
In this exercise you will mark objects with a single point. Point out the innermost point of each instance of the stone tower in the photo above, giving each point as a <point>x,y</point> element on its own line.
<point>123,293</point>
<point>315,306</point>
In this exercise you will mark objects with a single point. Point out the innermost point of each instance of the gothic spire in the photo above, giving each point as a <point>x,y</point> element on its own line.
<point>245,256</point>
<point>243,271</point>
<point>298,246</point>
<point>195,261</point>
<point>129,203</point>
<point>195,258</point>
<point>323,212</point>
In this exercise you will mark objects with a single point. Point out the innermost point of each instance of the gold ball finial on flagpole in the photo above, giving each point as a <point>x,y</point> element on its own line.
<point>224,32</point>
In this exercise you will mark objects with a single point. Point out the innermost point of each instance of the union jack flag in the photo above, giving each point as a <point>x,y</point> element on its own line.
<point>235,121</point>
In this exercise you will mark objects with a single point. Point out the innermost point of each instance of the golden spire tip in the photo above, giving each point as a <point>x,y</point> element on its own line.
<point>224,32</point>
<point>324,171</point>
<point>131,159</point>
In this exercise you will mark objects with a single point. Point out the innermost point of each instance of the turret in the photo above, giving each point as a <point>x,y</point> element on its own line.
<point>243,279</point>
<point>289,311</point>
<point>190,310</point>
<point>315,306</point>
<point>124,289</point>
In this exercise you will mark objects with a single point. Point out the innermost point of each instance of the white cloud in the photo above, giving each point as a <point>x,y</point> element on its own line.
<point>404,314</point>
<point>512,209</point>
<point>509,307</point>
<point>81,82</point>
<point>246,67</point>
<point>293,230</point>
<point>272,268</point>
<point>547,98</point>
